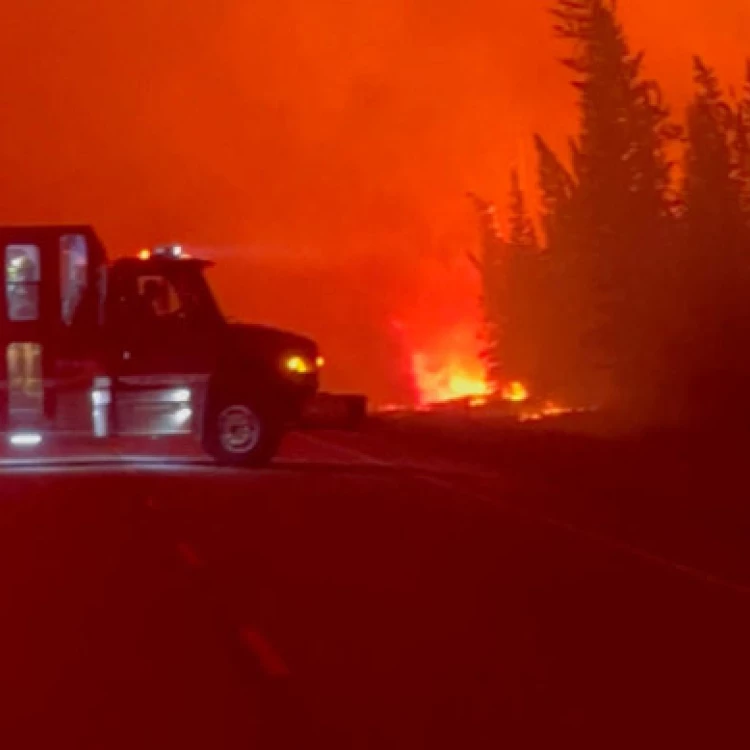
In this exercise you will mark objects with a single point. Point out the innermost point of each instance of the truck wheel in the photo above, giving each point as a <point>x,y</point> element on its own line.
<point>239,434</point>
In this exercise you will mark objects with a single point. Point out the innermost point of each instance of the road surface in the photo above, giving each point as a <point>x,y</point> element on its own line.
<point>355,595</point>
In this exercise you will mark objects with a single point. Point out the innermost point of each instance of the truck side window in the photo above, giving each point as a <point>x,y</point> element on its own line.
<point>157,297</point>
<point>73,274</point>
<point>22,275</point>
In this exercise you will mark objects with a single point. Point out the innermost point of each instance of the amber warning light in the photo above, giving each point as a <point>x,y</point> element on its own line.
<point>175,252</point>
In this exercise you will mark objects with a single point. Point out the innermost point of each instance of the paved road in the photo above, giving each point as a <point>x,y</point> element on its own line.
<point>357,595</point>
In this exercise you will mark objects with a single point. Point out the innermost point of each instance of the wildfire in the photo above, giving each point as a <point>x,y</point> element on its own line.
<point>456,377</point>
<point>515,392</point>
<point>453,378</point>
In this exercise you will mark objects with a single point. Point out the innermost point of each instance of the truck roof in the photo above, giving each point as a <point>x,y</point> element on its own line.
<point>158,260</point>
<point>42,230</point>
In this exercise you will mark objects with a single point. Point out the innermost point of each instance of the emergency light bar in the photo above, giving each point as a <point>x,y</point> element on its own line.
<point>173,252</point>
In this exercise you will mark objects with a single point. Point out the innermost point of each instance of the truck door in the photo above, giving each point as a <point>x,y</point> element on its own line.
<point>166,349</point>
<point>50,326</point>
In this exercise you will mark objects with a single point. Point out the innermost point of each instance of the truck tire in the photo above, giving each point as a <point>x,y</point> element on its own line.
<point>239,433</point>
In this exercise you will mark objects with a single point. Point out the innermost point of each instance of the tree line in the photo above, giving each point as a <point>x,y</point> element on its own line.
<point>635,292</point>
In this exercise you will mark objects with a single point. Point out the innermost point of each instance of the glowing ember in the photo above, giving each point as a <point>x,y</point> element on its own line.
<point>553,410</point>
<point>389,408</point>
<point>454,378</point>
<point>515,392</point>
<point>549,409</point>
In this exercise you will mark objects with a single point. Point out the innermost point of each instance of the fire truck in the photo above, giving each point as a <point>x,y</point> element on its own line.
<point>138,347</point>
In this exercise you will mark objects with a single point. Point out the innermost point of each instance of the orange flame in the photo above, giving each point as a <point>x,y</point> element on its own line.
<point>451,377</point>
<point>515,392</point>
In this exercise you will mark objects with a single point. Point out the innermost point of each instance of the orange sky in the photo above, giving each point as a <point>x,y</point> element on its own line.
<point>321,150</point>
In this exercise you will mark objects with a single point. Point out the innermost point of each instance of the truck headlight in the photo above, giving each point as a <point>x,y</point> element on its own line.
<point>299,364</point>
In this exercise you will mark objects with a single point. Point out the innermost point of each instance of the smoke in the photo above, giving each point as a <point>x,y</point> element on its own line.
<point>338,137</point>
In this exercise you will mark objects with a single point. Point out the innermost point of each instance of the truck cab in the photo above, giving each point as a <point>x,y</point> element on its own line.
<point>138,347</point>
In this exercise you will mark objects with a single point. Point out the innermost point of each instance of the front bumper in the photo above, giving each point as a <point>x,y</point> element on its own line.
<point>334,411</point>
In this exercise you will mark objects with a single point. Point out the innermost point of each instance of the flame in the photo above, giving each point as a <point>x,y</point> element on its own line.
<point>449,377</point>
<point>515,392</point>
<point>455,376</point>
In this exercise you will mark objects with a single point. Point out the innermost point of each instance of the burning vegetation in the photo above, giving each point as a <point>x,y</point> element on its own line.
<point>637,292</point>
<point>457,378</point>
<point>461,381</point>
